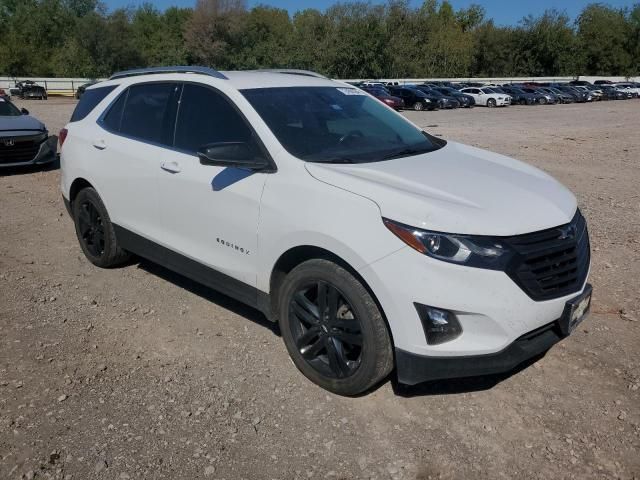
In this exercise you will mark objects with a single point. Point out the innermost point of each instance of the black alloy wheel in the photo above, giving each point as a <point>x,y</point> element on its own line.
<point>95,232</point>
<point>326,330</point>
<point>91,228</point>
<point>332,327</point>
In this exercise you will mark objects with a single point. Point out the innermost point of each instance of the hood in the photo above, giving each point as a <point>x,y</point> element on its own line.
<point>22,123</point>
<point>457,189</point>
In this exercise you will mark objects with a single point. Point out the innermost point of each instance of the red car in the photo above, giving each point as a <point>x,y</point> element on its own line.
<point>384,96</point>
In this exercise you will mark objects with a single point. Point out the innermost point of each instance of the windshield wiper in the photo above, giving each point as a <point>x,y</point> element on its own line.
<point>334,160</point>
<point>405,152</point>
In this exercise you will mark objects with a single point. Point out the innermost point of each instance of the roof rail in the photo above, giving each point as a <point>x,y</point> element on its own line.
<point>292,71</point>
<point>173,69</point>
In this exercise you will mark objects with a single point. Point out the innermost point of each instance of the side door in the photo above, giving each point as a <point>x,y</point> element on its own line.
<point>210,213</point>
<point>129,149</point>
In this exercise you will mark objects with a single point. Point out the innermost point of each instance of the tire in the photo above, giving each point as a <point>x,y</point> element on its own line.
<point>95,231</point>
<point>543,101</point>
<point>418,106</point>
<point>491,103</point>
<point>346,352</point>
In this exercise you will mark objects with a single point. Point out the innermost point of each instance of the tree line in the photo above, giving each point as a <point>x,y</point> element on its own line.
<point>82,38</point>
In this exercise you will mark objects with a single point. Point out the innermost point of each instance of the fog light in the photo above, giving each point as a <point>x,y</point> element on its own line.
<point>439,325</point>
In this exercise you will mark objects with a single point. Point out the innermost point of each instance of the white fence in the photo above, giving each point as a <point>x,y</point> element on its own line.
<point>68,86</point>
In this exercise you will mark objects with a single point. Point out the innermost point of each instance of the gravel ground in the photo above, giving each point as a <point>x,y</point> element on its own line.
<point>139,373</point>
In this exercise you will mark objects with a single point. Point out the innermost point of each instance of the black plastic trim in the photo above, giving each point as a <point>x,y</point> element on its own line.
<point>193,270</point>
<point>412,368</point>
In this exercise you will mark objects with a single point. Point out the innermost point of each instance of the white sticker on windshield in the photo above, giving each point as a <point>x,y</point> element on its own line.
<point>1,99</point>
<point>351,91</point>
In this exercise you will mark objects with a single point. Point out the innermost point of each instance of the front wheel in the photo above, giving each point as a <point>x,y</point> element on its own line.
<point>95,231</point>
<point>333,329</point>
<point>418,106</point>
<point>491,103</point>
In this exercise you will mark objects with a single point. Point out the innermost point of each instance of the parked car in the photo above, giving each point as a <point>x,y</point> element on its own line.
<point>487,97</point>
<point>595,94</point>
<point>578,96</point>
<point>310,201</point>
<point>465,101</point>
<point>563,97</point>
<point>540,97</point>
<point>383,95</point>
<point>80,90</point>
<point>628,87</point>
<point>24,140</point>
<point>28,90</point>
<point>414,98</point>
<point>602,82</point>
<point>517,95</point>
<point>444,101</point>
<point>549,98</point>
<point>610,92</point>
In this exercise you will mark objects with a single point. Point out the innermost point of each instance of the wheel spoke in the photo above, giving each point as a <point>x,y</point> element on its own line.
<point>307,337</point>
<point>348,338</point>
<point>322,299</point>
<point>333,303</point>
<point>311,351</point>
<point>351,324</point>
<point>337,362</point>
<point>304,310</point>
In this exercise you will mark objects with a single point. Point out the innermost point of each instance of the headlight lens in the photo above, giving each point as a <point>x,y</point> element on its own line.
<point>470,250</point>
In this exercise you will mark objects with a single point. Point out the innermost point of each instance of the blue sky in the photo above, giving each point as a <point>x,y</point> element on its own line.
<point>504,12</point>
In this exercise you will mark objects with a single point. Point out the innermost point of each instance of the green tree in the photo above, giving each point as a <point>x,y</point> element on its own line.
<point>602,41</point>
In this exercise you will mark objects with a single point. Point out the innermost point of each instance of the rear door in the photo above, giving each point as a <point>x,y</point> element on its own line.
<point>129,149</point>
<point>210,213</point>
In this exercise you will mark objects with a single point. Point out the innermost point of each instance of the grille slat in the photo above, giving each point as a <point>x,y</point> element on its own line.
<point>24,150</point>
<point>551,263</point>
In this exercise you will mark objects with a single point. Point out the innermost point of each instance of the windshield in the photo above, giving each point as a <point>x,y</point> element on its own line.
<point>337,125</point>
<point>8,109</point>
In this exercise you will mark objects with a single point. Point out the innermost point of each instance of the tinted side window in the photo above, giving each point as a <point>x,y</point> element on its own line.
<point>204,117</point>
<point>114,116</point>
<point>144,114</point>
<point>89,100</point>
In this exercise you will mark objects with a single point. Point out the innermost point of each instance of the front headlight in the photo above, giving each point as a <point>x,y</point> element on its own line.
<point>471,250</point>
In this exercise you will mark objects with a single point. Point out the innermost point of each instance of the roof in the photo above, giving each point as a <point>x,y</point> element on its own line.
<point>240,80</point>
<point>262,79</point>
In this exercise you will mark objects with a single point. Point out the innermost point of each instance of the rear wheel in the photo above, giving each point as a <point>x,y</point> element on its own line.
<point>543,101</point>
<point>95,231</point>
<point>333,329</point>
<point>491,103</point>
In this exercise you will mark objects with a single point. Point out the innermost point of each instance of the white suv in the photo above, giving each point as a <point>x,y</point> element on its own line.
<point>375,245</point>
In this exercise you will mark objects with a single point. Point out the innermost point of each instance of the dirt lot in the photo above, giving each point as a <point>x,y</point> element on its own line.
<point>138,373</point>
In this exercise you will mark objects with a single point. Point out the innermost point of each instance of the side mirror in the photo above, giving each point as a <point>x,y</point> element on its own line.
<point>232,154</point>
<point>24,111</point>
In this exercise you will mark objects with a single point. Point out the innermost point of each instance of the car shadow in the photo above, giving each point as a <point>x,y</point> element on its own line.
<point>459,385</point>
<point>207,293</point>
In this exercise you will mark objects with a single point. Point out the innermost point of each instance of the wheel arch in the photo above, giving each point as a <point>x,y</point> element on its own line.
<point>294,256</point>
<point>76,186</point>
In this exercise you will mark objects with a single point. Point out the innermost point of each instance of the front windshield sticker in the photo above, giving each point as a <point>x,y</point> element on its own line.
<point>351,91</point>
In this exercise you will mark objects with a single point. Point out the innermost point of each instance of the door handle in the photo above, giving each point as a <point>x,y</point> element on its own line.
<point>171,167</point>
<point>99,144</point>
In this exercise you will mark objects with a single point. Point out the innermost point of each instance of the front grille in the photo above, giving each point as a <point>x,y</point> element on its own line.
<point>551,263</point>
<point>24,149</point>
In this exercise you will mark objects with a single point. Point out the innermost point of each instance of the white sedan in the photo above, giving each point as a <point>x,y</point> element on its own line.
<point>487,97</point>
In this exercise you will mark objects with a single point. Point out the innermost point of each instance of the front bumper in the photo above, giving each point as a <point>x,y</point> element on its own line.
<point>412,368</point>
<point>47,153</point>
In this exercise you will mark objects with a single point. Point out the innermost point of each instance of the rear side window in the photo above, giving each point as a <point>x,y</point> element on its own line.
<point>113,117</point>
<point>89,100</point>
<point>205,116</point>
<point>146,115</point>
